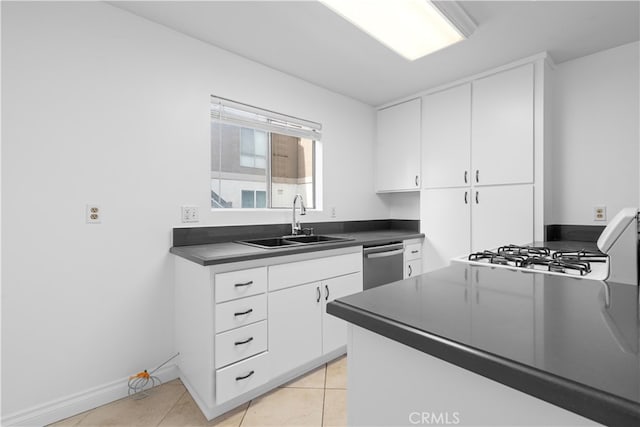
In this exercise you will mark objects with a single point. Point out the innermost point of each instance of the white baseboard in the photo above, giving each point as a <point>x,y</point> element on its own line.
<point>68,406</point>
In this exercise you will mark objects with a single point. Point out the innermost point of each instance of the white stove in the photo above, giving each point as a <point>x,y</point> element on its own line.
<point>616,259</point>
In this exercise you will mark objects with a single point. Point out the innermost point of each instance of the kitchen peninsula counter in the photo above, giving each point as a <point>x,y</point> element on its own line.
<point>569,342</point>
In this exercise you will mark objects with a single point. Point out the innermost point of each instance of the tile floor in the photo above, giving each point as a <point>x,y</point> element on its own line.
<point>318,398</point>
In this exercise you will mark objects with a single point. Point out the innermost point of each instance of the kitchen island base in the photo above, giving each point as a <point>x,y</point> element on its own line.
<point>390,383</point>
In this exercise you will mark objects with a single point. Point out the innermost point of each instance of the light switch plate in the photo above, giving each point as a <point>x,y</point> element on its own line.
<point>190,214</point>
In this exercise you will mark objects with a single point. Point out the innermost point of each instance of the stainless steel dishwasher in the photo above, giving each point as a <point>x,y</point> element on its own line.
<point>382,264</point>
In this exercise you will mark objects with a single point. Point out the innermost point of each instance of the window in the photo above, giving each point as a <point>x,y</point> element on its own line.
<point>261,159</point>
<point>254,199</point>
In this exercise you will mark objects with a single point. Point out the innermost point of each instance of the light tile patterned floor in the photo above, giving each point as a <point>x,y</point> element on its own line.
<point>318,398</point>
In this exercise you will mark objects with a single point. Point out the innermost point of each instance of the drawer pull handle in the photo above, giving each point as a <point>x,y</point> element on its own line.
<point>243,312</point>
<point>250,282</point>
<point>414,252</point>
<point>248,340</point>
<point>245,376</point>
<point>326,298</point>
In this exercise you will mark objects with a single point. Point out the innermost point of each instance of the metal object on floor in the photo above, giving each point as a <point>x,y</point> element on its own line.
<point>140,383</point>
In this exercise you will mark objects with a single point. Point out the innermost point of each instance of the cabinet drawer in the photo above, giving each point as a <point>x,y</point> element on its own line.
<point>314,270</point>
<point>413,251</point>
<point>240,343</point>
<point>241,283</point>
<point>241,377</point>
<point>240,312</point>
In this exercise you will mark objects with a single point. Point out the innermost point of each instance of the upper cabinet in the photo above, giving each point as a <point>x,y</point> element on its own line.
<point>502,127</point>
<point>480,133</point>
<point>398,147</point>
<point>446,135</point>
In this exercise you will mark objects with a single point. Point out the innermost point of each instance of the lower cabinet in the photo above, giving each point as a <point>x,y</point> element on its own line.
<point>300,329</point>
<point>243,328</point>
<point>334,330</point>
<point>294,333</point>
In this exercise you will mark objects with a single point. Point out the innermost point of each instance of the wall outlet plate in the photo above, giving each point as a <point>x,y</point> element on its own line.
<point>93,213</point>
<point>190,214</point>
<point>599,213</point>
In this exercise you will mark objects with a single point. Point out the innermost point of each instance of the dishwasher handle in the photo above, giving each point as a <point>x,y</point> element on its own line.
<point>384,254</point>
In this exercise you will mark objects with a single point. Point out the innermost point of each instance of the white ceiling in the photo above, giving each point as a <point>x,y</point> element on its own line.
<point>307,40</point>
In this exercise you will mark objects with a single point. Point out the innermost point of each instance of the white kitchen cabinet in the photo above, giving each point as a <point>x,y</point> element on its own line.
<point>446,138</point>
<point>244,328</point>
<point>398,147</point>
<point>446,223</point>
<point>412,258</point>
<point>334,330</point>
<point>502,127</point>
<point>457,221</point>
<point>501,215</point>
<point>295,336</point>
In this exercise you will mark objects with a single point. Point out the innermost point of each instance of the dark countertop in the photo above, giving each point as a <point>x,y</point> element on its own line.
<point>571,342</point>
<point>221,253</point>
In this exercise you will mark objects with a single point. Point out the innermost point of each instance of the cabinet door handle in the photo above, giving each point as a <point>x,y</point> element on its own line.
<point>466,173</point>
<point>477,175</point>
<point>245,376</point>
<point>417,183</point>
<point>414,251</point>
<point>410,271</point>
<point>466,198</point>
<point>318,291</point>
<point>326,297</point>
<point>242,313</point>
<point>477,197</point>
<point>247,341</point>
<point>238,285</point>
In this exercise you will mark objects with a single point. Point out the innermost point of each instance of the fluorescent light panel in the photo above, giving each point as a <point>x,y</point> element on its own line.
<point>412,28</point>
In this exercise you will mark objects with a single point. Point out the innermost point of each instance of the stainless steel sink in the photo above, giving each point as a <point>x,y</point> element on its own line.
<point>291,241</point>
<point>314,239</point>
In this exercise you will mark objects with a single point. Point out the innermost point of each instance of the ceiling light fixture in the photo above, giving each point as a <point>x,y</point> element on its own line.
<point>411,28</point>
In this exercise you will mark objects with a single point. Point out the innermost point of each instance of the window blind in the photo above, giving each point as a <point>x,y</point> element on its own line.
<point>236,113</point>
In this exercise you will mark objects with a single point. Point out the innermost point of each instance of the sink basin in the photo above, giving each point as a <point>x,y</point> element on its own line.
<point>275,242</point>
<point>314,239</point>
<point>289,241</point>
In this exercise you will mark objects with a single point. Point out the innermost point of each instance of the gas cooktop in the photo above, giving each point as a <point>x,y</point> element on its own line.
<point>581,263</point>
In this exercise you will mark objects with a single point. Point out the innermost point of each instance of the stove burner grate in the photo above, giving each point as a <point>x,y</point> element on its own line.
<point>524,250</point>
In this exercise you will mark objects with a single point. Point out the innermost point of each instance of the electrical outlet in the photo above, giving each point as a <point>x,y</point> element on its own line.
<point>333,212</point>
<point>600,213</point>
<point>93,214</point>
<point>190,214</point>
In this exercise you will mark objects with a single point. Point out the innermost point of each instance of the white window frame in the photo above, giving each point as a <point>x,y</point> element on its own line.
<point>226,111</point>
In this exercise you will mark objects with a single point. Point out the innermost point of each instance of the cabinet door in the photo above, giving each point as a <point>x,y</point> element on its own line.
<point>446,138</point>
<point>295,335</point>
<point>502,128</point>
<point>398,147</point>
<point>501,215</point>
<point>412,268</point>
<point>334,330</point>
<point>445,218</point>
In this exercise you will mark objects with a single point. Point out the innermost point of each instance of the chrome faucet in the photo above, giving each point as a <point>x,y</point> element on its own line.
<point>295,224</point>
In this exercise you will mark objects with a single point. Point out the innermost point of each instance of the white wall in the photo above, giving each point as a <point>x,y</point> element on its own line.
<point>596,135</point>
<point>102,106</point>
